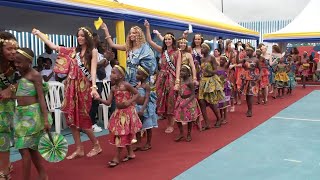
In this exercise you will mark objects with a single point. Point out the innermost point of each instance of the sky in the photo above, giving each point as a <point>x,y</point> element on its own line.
<point>261,10</point>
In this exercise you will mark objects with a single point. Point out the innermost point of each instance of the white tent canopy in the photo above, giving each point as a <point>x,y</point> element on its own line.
<point>305,27</point>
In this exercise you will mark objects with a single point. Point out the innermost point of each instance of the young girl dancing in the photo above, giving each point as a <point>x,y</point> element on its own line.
<point>124,122</point>
<point>223,74</point>
<point>292,71</point>
<point>187,109</point>
<point>146,108</point>
<point>31,116</point>
<point>264,80</point>
<point>281,77</point>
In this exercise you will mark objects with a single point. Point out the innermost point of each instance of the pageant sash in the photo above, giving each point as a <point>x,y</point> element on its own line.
<point>4,80</point>
<point>169,61</point>
<point>82,67</point>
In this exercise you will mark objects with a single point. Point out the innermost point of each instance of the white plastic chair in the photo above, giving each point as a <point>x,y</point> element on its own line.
<point>54,101</point>
<point>103,111</point>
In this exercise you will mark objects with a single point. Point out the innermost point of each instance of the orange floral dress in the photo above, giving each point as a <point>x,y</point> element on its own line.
<point>264,81</point>
<point>123,123</point>
<point>250,85</point>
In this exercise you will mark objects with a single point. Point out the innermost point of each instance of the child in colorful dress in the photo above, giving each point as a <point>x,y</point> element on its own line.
<point>281,77</point>
<point>187,109</point>
<point>124,122</point>
<point>222,73</point>
<point>304,68</point>
<point>31,116</point>
<point>292,77</point>
<point>146,108</point>
<point>264,80</point>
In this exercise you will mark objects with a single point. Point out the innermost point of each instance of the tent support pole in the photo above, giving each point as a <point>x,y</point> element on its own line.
<point>120,34</point>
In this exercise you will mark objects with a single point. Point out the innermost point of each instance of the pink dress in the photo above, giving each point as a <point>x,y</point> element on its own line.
<point>124,123</point>
<point>191,112</point>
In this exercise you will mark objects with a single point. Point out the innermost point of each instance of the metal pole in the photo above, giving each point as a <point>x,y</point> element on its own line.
<point>222,6</point>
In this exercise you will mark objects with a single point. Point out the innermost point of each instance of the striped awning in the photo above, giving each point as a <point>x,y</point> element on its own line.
<point>304,28</point>
<point>120,11</point>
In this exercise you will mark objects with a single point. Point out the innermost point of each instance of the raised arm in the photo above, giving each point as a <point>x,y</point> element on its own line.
<point>158,34</point>
<point>43,37</point>
<point>149,39</point>
<point>178,67</point>
<point>109,39</point>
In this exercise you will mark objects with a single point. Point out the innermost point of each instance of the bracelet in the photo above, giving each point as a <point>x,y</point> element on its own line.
<point>94,87</point>
<point>177,81</point>
<point>108,37</point>
<point>13,88</point>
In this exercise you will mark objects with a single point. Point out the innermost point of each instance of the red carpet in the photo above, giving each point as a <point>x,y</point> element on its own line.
<point>166,159</point>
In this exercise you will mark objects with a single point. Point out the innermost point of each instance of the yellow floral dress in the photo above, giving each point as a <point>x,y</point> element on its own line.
<point>210,87</point>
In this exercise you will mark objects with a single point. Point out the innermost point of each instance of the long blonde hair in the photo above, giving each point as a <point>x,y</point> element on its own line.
<point>141,39</point>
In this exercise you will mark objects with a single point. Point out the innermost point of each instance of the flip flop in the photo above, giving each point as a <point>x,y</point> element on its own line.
<point>113,164</point>
<point>137,149</point>
<point>169,130</point>
<point>127,158</point>
<point>205,128</point>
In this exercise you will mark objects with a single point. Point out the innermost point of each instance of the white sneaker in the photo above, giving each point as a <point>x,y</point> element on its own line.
<point>96,128</point>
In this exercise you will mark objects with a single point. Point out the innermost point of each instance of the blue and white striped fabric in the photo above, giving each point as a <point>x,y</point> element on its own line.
<point>28,40</point>
<point>263,27</point>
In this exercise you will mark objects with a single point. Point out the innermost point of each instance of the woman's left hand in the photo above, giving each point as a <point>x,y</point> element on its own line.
<point>94,94</point>
<point>6,94</point>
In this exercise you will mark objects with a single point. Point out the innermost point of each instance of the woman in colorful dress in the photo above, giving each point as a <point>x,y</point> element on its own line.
<point>267,57</point>
<point>138,52</point>
<point>210,86</point>
<point>31,116</point>
<point>124,122</point>
<point>281,77</point>
<point>80,64</point>
<point>292,74</point>
<point>8,47</point>
<point>304,68</point>
<point>233,74</point>
<point>264,80</point>
<point>222,72</point>
<point>251,75</point>
<point>168,78</point>
<point>187,109</point>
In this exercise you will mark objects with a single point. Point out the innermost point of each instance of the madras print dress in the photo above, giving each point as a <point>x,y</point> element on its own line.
<point>281,77</point>
<point>150,117</point>
<point>77,102</point>
<point>191,111</point>
<point>210,87</point>
<point>123,123</point>
<point>28,120</point>
<point>223,75</point>
<point>166,95</point>
<point>250,85</point>
<point>7,109</point>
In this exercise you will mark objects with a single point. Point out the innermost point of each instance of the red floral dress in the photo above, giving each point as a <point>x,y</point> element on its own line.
<point>77,102</point>
<point>123,123</point>
<point>165,85</point>
<point>191,111</point>
<point>264,81</point>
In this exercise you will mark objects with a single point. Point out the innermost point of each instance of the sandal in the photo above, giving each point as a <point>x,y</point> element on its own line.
<point>218,124</point>
<point>95,150</point>
<point>188,138</point>
<point>232,109</point>
<point>224,122</point>
<point>128,158</point>
<point>205,128</point>
<point>179,138</point>
<point>10,168</point>
<point>146,148</point>
<point>249,114</point>
<point>169,130</point>
<point>75,155</point>
<point>136,149</point>
<point>5,176</point>
<point>113,164</point>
